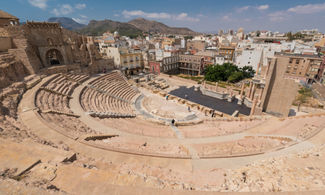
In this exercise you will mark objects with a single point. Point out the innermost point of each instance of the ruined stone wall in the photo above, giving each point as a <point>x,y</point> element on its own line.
<point>30,44</point>
<point>10,70</point>
<point>5,43</point>
<point>43,34</point>
<point>280,92</point>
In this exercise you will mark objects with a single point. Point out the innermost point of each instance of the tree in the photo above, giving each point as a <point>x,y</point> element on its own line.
<point>188,37</point>
<point>235,77</point>
<point>289,35</point>
<point>248,71</point>
<point>304,93</point>
<point>227,72</point>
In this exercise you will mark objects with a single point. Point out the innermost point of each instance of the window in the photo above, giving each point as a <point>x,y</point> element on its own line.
<point>290,61</point>
<point>297,61</point>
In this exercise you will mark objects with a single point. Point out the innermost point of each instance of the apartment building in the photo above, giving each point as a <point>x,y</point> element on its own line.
<point>126,59</point>
<point>301,66</point>
<point>227,52</point>
<point>191,64</point>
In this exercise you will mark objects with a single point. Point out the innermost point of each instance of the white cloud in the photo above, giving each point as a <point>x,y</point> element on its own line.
<point>137,13</point>
<point>226,18</point>
<point>263,7</point>
<point>83,16</point>
<point>82,20</point>
<point>56,12</point>
<point>245,8</point>
<point>80,6</point>
<point>42,4</point>
<point>308,9</point>
<point>159,15</point>
<point>64,9</point>
<point>241,9</point>
<point>185,17</point>
<point>300,9</point>
<point>278,16</point>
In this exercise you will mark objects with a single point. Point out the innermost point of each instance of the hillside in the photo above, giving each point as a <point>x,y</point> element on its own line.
<point>96,28</point>
<point>132,28</point>
<point>67,23</point>
<point>158,27</point>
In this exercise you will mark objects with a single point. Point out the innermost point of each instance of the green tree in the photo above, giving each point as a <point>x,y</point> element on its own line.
<point>290,36</point>
<point>248,71</point>
<point>304,94</point>
<point>235,77</point>
<point>227,72</point>
<point>188,37</point>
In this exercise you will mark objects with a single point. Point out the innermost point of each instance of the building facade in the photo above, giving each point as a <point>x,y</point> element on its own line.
<point>191,64</point>
<point>7,19</point>
<point>300,66</point>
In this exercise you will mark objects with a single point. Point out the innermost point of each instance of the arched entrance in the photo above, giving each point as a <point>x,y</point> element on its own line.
<point>54,57</point>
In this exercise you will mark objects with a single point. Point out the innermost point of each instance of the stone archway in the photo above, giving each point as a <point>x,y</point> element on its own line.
<point>54,57</point>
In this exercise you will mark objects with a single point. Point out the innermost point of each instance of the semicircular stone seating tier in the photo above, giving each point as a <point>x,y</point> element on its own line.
<point>53,96</point>
<point>110,95</point>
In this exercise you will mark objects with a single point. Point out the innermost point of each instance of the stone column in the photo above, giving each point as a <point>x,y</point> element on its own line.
<point>230,96</point>
<point>250,89</point>
<point>253,91</point>
<point>267,68</point>
<point>253,107</point>
<point>261,94</point>
<point>241,97</point>
<point>258,69</point>
<point>242,90</point>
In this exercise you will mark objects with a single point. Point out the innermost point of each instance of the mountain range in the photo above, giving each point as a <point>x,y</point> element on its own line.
<point>132,28</point>
<point>67,23</point>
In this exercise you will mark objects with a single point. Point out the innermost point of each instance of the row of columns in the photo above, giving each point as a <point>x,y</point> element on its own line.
<point>251,95</point>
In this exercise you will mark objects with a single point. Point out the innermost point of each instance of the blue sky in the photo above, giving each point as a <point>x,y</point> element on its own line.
<point>199,15</point>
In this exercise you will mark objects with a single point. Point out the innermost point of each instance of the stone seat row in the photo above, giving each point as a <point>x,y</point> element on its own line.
<point>60,85</point>
<point>115,84</point>
<point>59,112</point>
<point>110,115</point>
<point>46,100</point>
<point>92,100</point>
<point>79,78</point>
<point>118,90</point>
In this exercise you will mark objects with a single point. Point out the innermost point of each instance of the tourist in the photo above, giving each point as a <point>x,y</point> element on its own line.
<point>167,97</point>
<point>173,121</point>
<point>189,108</point>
